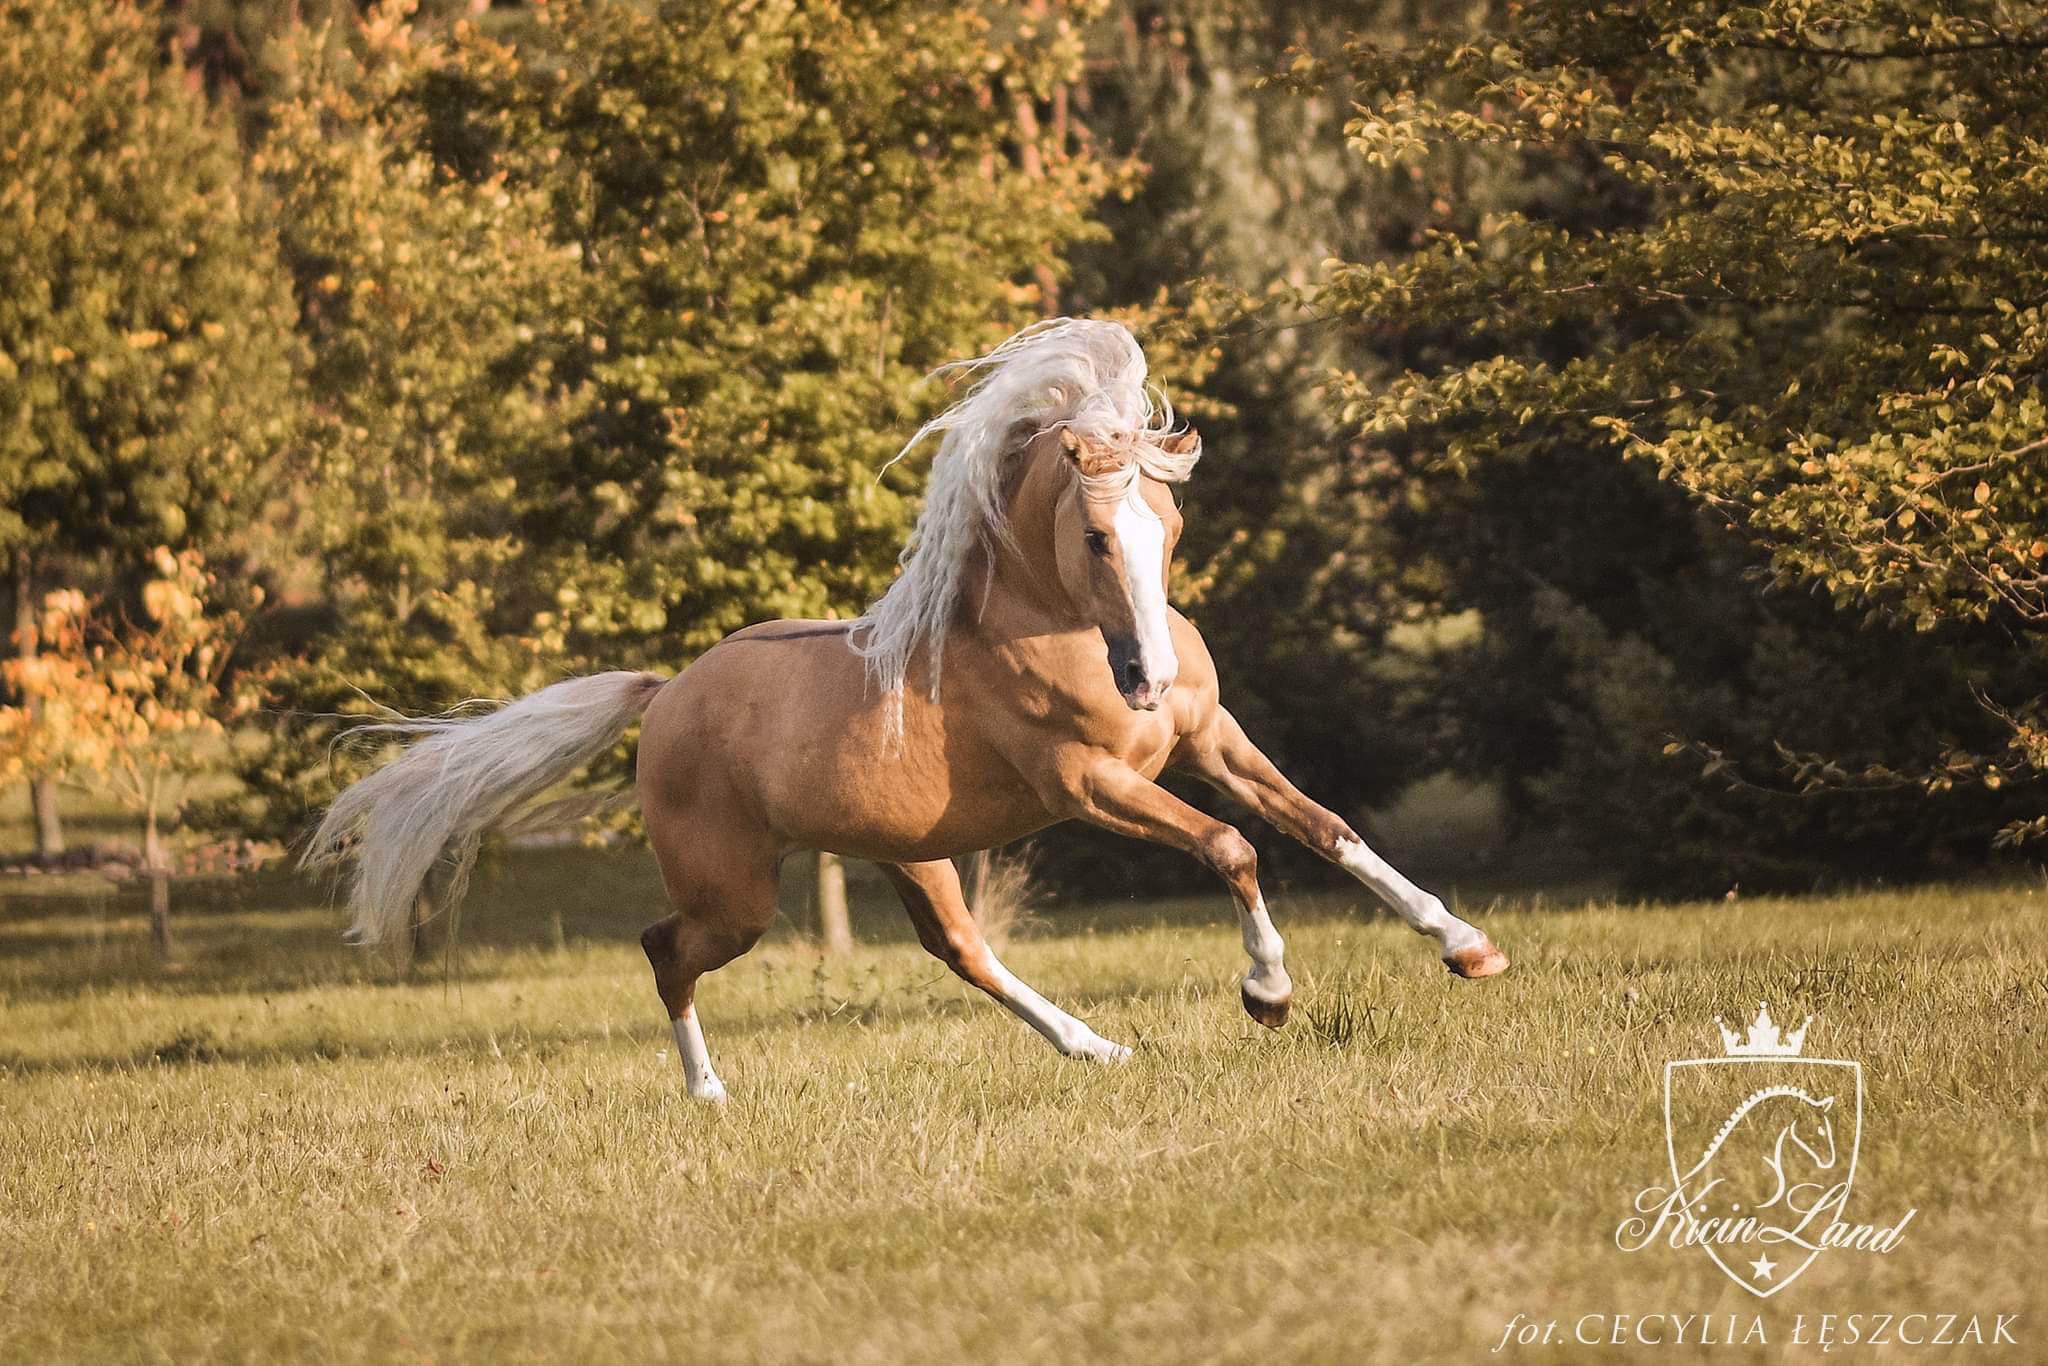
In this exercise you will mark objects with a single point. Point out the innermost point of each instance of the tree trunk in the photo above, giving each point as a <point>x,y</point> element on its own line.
<point>43,789</point>
<point>156,864</point>
<point>416,925</point>
<point>1031,160</point>
<point>834,927</point>
<point>49,825</point>
<point>160,909</point>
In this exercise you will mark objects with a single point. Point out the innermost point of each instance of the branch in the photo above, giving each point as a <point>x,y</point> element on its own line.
<point>1899,52</point>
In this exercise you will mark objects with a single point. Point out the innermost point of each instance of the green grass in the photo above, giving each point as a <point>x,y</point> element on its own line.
<point>276,1149</point>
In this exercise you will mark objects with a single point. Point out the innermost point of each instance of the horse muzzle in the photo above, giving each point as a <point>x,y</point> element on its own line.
<point>1143,686</point>
<point>1147,696</point>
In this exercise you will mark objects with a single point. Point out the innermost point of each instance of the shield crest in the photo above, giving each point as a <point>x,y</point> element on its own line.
<point>1764,1150</point>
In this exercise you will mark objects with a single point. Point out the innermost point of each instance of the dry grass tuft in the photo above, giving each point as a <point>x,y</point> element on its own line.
<point>1001,895</point>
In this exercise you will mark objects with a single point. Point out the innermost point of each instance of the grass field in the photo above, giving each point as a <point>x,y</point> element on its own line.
<point>278,1150</point>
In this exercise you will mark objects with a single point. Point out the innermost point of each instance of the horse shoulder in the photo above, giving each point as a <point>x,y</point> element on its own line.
<point>1196,691</point>
<point>1197,669</point>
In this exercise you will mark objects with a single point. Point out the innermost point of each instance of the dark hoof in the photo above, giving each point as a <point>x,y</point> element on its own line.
<point>1479,960</point>
<point>1271,1014</point>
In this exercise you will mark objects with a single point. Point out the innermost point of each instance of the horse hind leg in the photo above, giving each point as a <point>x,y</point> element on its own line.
<point>947,929</point>
<point>716,920</point>
<point>680,953</point>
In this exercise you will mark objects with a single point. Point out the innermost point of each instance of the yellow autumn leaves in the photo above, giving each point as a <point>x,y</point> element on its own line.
<point>120,710</point>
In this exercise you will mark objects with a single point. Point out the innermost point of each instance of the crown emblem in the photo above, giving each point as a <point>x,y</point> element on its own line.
<point>1765,1040</point>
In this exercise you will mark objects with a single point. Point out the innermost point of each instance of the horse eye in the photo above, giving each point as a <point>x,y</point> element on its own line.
<point>1098,543</point>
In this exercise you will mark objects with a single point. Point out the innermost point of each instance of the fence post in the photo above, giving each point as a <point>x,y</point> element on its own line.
<point>833,924</point>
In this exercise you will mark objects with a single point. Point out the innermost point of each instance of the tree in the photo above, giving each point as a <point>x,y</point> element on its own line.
<point>1811,303</point>
<point>432,307</point>
<point>785,216</point>
<point>146,349</point>
<point>714,252</point>
<point>132,712</point>
<point>618,313</point>
<point>835,926</point>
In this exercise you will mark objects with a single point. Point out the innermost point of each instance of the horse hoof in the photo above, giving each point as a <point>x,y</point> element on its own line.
<point>1099,1050</point>
<point>1271,1014</point>
<point>1477,960</point>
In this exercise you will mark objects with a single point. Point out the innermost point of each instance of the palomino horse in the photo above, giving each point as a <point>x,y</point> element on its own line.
<point>1036,581</point>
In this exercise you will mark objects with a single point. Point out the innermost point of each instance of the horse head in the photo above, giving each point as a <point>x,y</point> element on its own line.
<point>1114,530</point>
<point>1812,1131</point>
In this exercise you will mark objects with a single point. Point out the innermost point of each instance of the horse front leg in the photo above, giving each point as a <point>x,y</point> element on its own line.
<point>947,929</point>
<point>1223,755</point>
<point>1117,797</point>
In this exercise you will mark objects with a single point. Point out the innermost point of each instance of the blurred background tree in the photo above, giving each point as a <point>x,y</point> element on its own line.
<point>617,314</point>
<point>786,216</point>
<point>1547,624</point>
<point>134,712</point>
<point>433,308</point>
<point>573,336</point>
<point>147,359</point>
<point>1770,270</point>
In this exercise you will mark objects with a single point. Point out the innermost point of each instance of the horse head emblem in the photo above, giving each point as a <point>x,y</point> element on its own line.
<point>1763,1150</point>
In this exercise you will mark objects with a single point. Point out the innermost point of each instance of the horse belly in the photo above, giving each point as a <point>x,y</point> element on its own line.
<point>793,730</point>
<point>850,791</point>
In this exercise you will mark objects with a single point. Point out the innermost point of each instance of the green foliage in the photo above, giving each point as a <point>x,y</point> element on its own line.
<point>1798,280</point>
<point>613,327</point>
<point>145,334</point>
<point>131,713</point>
<point>785,216</point>
<point>574,335</point>
<point>433,307</point>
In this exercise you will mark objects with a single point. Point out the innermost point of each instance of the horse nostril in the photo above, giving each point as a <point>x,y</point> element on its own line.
<point>1134,676</point>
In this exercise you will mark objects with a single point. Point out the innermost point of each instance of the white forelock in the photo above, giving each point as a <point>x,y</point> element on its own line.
<point>1079,373</point>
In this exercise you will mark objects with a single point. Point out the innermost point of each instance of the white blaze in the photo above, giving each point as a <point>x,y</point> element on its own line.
<point>1143,538</point>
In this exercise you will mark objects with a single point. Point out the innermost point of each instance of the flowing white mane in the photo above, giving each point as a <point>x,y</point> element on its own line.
<point>1078,373</point>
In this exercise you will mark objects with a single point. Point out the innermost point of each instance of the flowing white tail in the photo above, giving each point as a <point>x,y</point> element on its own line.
<point>434,803</point>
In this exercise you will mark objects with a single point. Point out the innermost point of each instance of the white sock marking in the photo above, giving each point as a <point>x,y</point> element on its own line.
<point>1268,980</point>
<point>703,1083</point>
<point>1060,1029</point>
<point>1424,913</point>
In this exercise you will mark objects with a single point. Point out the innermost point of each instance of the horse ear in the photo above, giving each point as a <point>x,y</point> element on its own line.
<point>1092,458</point>
<point>1181,442</point>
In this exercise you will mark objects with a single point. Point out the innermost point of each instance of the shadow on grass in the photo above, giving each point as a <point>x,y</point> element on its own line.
<point>835,1008</point>
<point>278,931</point>
<point>202,1047</point>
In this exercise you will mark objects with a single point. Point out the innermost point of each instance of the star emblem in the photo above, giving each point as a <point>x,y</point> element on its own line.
<point>1762,1267</point>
